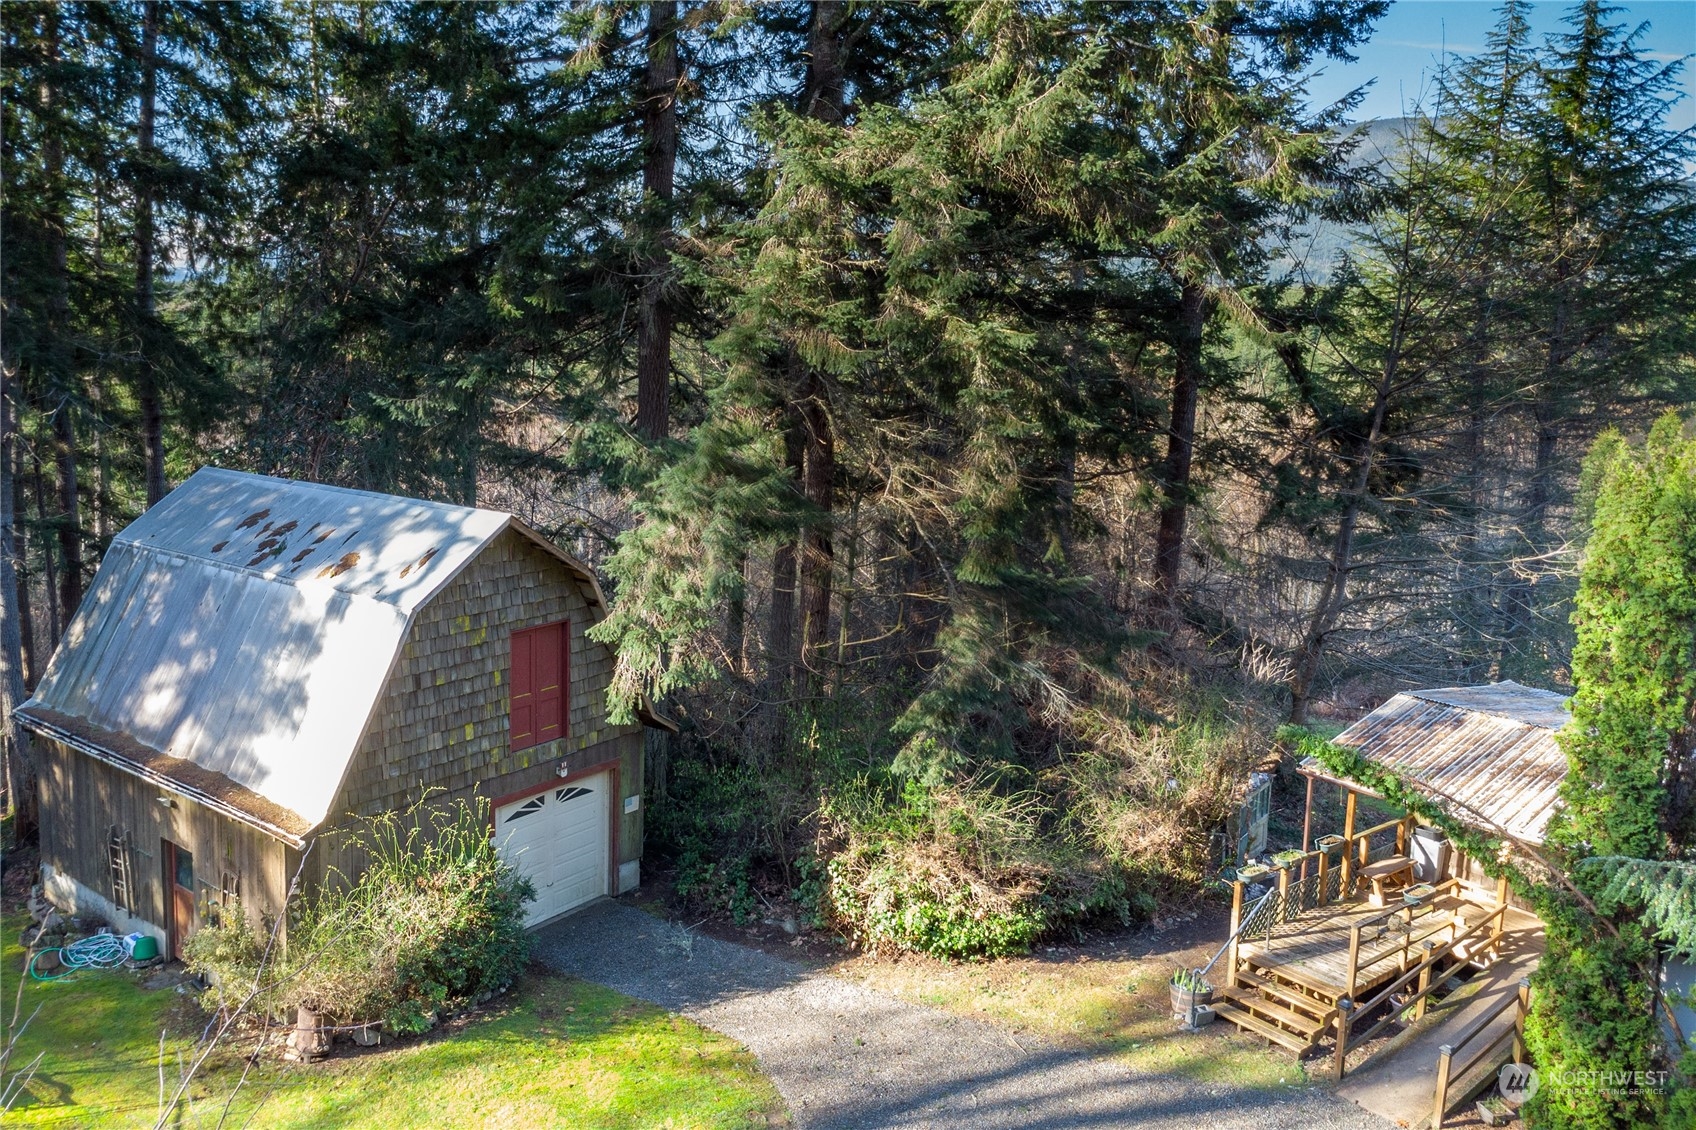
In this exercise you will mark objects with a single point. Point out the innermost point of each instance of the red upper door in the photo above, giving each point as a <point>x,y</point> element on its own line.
<point>538,697</point>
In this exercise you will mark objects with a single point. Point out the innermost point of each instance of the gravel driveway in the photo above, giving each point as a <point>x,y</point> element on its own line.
<point>847,1058</point>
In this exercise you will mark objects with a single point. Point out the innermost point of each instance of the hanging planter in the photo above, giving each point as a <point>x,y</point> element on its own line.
<point>1288,858</point>
<point>1249,872</point>
<point>1332,846</point>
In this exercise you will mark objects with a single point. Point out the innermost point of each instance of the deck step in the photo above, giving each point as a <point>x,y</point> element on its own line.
<point>1230,1010</point>
<point>1252,1001</point>
<point>1288,995</point>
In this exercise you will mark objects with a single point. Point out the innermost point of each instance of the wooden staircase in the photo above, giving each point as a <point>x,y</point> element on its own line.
<point>1276,1010</point>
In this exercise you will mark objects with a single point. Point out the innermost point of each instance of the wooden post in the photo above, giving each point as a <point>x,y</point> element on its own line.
<point>1445,1056</point>
<point>1501,927</point>
<point>1348,845</point>
<point>1354,957</point>
<point>1519,1020</point>
<point>1307,827</point>
<point>1324,878</point>
<point>1401,835</point>
<point>1345,1011</point>
<point>1284,894</point>
<point>1236,924</point>
<point>1424,979</point>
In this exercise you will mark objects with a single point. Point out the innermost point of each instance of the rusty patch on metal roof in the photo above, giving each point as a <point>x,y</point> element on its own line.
<point>420,563</point>
<point>284,529</point>
<point>219,548</point>
<point>328,530</point>
<point>253,519</point>
<point>337,568</point>
<point>301,556</point>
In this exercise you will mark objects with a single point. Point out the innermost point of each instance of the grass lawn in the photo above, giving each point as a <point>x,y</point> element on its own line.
<point>1089,997</point>
<point>554,1052</point>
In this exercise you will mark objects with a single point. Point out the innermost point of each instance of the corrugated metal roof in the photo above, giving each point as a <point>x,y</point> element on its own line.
<point>390,549</point>
<point>247,625</point>
<point>1484,752</point>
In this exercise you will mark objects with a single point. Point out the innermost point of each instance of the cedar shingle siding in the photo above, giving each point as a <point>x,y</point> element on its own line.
<point>442,723</point>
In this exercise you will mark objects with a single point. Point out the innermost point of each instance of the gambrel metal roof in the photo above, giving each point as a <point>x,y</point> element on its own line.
<point>240,633</point>
<point>1488,754</point>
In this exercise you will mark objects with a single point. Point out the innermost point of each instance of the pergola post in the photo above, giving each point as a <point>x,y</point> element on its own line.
<point>1347,886</point>
<point>1307,828</point>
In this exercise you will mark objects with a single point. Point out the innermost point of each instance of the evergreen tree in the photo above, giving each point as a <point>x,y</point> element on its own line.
<point>1628,792</point>
<point>415,284</point>
<point>1566,178</point>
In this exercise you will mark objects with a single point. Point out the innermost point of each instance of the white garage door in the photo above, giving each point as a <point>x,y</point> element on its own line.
<point>558,840</point>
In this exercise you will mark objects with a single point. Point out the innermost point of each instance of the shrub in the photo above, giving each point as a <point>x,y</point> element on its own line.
<point>1148,794</point>
<point>737,826</point>
<point>714,827</point>
<point>228,950</point>
<point>434,920</point>
<point>954,871</point>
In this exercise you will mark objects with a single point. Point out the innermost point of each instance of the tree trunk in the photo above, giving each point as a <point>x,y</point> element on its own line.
<point>845,617</point>
<point>17,751</point>
<point>736,620</point>
<point>1518,612</point>
<point>58,359</point>
<point>70,511</point>
<point>1334,592</point>
<point>780,644</point>
<point>147,384</point>
<point>49,572</point>
<point>825,97</point>
<point>659,169</point>
<point>13,470</point>
<point>819,554</point>
<point>1180,441</point>
<point>823,100</point>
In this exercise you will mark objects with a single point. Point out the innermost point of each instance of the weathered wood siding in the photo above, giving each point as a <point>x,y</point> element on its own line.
<point>442,723</point>
<point>83,800</point>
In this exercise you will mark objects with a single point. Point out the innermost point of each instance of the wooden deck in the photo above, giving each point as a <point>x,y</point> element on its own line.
<point>1293,987</point>
<point>1312,950</point>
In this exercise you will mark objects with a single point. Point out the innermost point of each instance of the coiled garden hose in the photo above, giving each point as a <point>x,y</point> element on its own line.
<point>102,951</point>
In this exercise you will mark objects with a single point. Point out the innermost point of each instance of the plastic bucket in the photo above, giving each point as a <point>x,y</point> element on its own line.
<point>142,947</point>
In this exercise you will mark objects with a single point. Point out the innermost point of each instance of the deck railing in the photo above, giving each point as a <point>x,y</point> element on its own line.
<point>1431,954</point>
<point>1311,881</point>
<point>1454,1060</point>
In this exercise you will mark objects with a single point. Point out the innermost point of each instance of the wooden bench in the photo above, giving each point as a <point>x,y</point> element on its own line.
<point>1387,875</point>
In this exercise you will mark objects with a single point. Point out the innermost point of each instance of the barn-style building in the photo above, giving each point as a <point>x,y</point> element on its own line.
<point>261,661</point>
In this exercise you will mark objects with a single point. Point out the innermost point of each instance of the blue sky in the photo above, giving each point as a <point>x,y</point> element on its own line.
<point>1408,43</point>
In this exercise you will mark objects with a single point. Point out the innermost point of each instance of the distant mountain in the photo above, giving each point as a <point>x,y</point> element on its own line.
<point>1315,248</point>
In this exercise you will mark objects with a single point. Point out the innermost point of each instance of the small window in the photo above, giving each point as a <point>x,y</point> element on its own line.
<point>528,808</point>
<point>185,870</point>
<point>538,685</point>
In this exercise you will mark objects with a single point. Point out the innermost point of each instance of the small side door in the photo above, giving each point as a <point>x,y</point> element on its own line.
<point>179,895</point>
